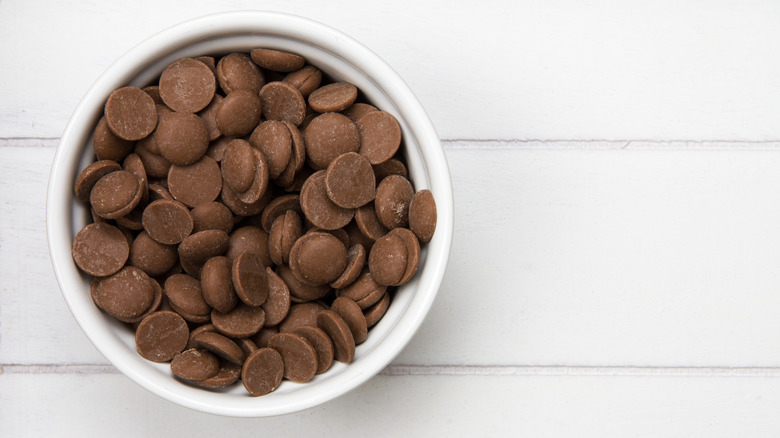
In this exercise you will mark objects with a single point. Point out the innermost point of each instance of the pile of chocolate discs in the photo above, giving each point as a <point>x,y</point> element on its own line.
<point>251,218</point>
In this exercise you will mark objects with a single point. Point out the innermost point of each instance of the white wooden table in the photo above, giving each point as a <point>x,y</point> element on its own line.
<point>616,263</point>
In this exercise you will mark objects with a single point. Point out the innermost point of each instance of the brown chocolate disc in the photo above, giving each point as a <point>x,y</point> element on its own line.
<point>321,343</point>
<point>155,306</point>
<point>238,165</point>
<point>392,166</point>
<point>158,191</point>
<point>195,364</point>
<point>240,208</point>
<point>221,346</point>
<point>356,259</point>
<point>262,337</point>
<point>217,282</point>
<point>299,291</point>
<point>107,145</point>
<point>318,258</point>
<point>277,60</point>
<point>209,117</point>
<point>368,222</point>
<point>156,165</point>
<point>93,291</point>
<point>100,249</point>
<point>241,322</point>
<point>236,71</point>
<point>126,294</point>
<point>197,183</point>
<point>334,97</point>
<point>197,248</point>
<point>132,220</point>
<point>388,260</point>
<point>201,329</point>
<point>161,335</point>
<point>277,207</point>
<point>328,136</point>
<point>260,182</point>
<point>277,305</point>
<point>210,63</point>
<point>131,113</point>
<point>298,151</point>
<point>353,316</point>
<point>185,293</point>
<point>227,375</point>
<point>247,345</point>
<point>154,92</point>
<point>371,299</point>
<point>300,358</point>
<point>364,286</point>
<point>357,236</point>
<point>317,206</point>
<point>412,253</point>
<point>182,137</point>
<point>380,136</point>
<point>339,332</point>
<point>263,371</point>
<point>190,317</point>
<point>187,85</point>
<point>249,238</point>
<point>358,110</point>
<point>422,215</point>
<point>135,166</point>
<point>217,148</point>
<point>392,201</point>
<point>212,216</point>
<point>167,222</point>
<point>274,140</point>
<point>250,279</point>
<point>116,194</point>
<point>301,314</point>
<point>282,101</point>
<point>306,80</point>
<point>374,313</point>
<point>151,256</point>
<point>350,181</point>
<point>239,113</point>
<point>286,229</point>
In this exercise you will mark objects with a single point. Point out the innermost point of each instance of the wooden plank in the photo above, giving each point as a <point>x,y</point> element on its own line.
<point>484,70</point>
<point>561,257</point>
<point>88,405</point>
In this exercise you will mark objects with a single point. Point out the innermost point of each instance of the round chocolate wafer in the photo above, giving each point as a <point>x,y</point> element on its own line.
<point>263,371</point>
<point>187,85</point>
<point>300,358</point>
<point>161,335</point>
<point>130,113</point>
<point>100,249</point>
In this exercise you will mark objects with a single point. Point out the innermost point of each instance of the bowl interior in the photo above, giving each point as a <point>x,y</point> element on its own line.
<point>341,58</point>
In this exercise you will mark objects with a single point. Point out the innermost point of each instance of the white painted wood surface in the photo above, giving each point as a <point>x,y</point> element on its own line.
<point>614,270</point>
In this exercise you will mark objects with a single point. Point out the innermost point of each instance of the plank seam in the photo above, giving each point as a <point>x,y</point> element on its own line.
<point>464,370</point>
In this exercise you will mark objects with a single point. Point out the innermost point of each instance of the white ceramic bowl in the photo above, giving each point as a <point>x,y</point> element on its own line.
<point>343,58</point>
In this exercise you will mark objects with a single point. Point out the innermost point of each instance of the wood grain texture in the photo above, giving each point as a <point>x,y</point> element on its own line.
<point>614,266</point>
<point>562,69</point>
<point>391,406</point>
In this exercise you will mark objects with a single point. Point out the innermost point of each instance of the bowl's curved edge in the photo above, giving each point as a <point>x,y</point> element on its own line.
<point>63,172</point>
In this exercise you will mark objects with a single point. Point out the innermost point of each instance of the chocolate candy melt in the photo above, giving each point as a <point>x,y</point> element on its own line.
<point>187,85</point>
<point>100,249</point>
<point>300,358</point>
<point>161,335</point>
<point>263,371</point>
<point>130,113</point>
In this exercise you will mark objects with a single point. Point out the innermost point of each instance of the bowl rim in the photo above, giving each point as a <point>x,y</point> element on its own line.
<point>60,200</point>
